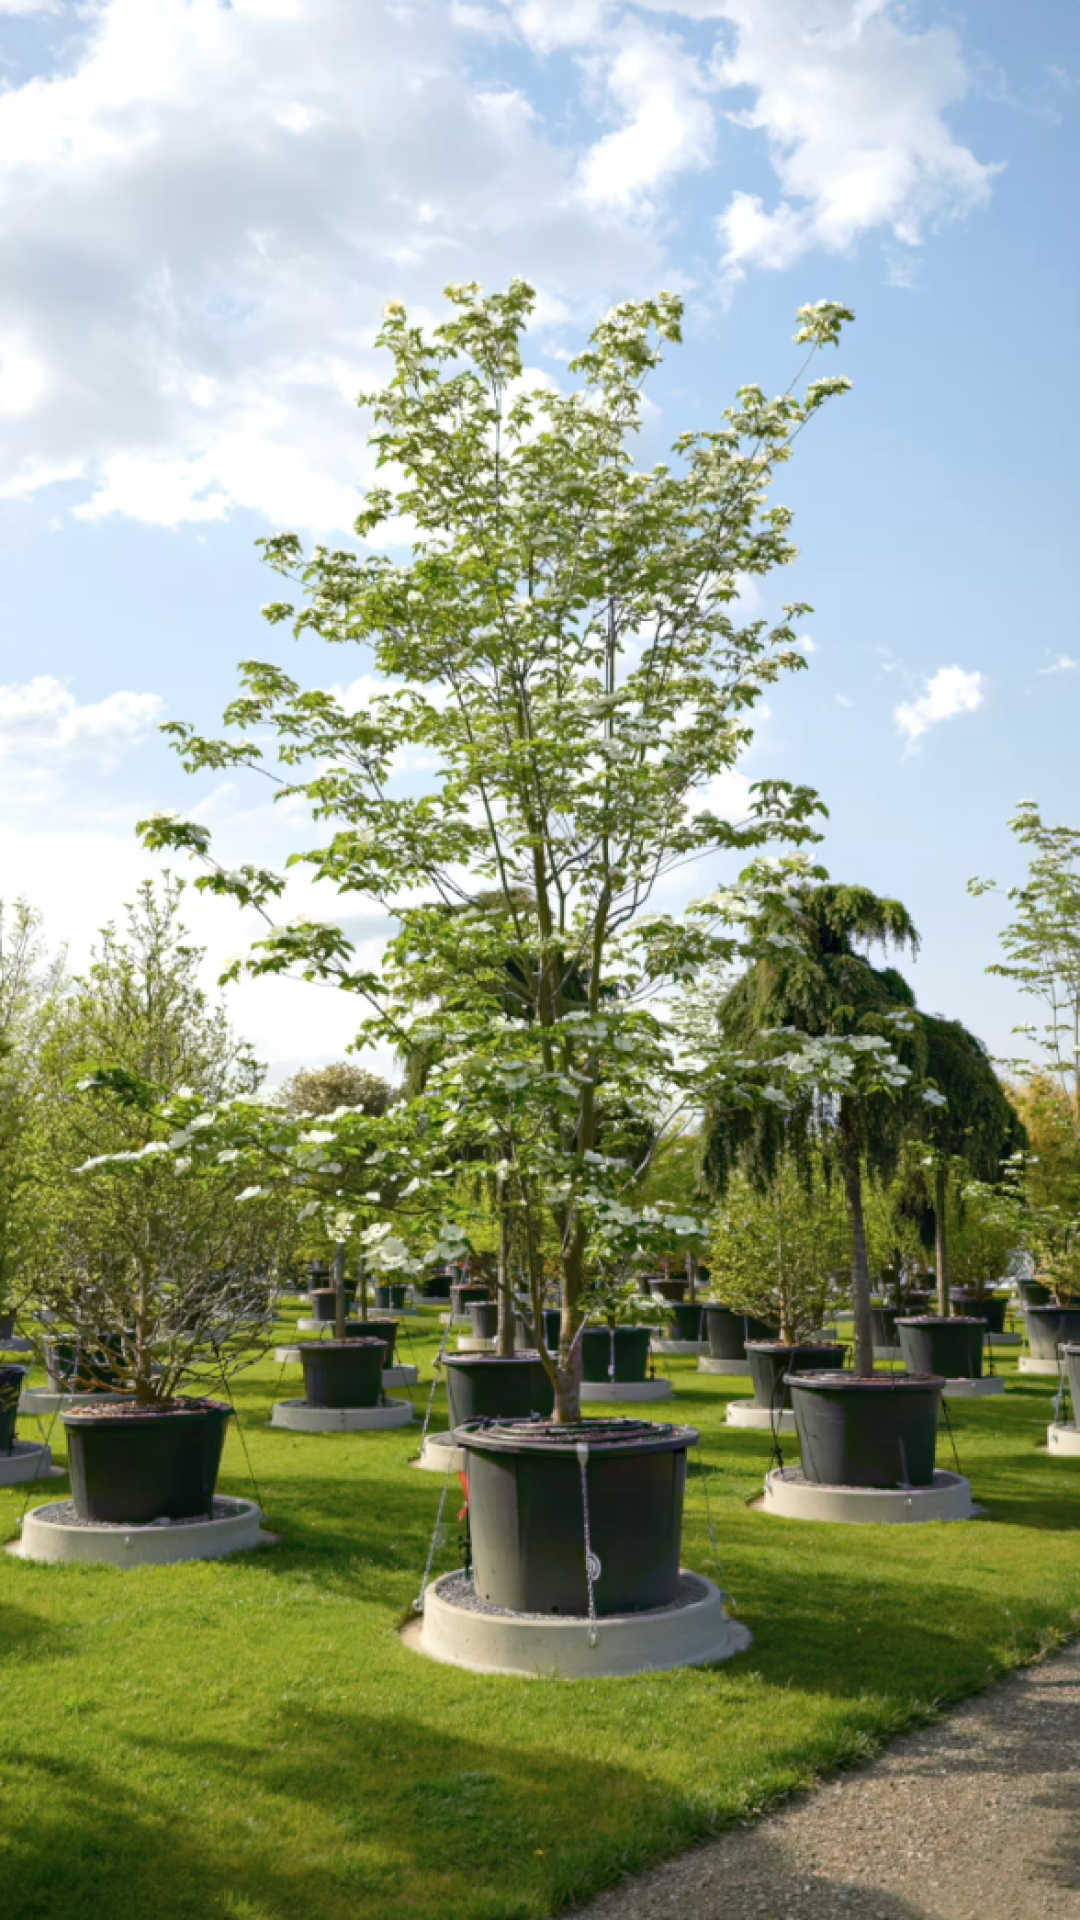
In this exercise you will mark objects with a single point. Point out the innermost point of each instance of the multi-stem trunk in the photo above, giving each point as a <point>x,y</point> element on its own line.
<point>339,1293</point>
<point>941,1256</point>
<point>860,1269</point>
<point>504,1345</point>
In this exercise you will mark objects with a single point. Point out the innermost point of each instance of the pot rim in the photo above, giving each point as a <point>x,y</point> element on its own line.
<point>872,1382</point>
<point>793,1346</point>
<point>116,1410</point>
<point>941,1320</point>
<point>510,1435</point>
<point>1070,1307</point>
<point>336,1346</point>
<point>531,1354</point>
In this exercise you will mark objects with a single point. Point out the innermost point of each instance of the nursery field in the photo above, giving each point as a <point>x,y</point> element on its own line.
<point>250,1738</point>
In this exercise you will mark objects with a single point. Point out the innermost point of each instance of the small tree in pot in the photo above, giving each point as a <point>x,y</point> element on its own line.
<point>618,1322</point>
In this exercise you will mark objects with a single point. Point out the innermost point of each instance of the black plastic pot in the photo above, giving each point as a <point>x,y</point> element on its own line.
<point>384,1330</point>
<point>392,1296</point>
<point>952,1347</point>
<point>625,1347</point>
<point>1071,1354</point>
<point>484,1318</point>
<point>527,1515</point>
<point>324,1304</point>
<point>883,1321</point>
<point>772,1360</point>
<point>685,1321</point>
<point>860,1431</point>
<point>7,1326</point>
<point>987,1306</point>
<point>669,1289</point>
<point>1033,1293</point>
<point>465,1291</point>
<point>523,1333</point>
<point>1048,1326</point>
<point>86,1366</point>
<point>342,1373</point>
<point>129,1465</point>
<point>11,1379</point>
<point>436,1286</point>
<point>489,1386</point>
<point>917,1300</point>
<point>728,1332</point>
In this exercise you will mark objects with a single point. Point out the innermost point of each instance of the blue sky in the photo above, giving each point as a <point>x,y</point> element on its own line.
<point>205,207</point>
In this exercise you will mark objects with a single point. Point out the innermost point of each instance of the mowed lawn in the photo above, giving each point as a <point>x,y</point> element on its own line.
<point>251,1739</point>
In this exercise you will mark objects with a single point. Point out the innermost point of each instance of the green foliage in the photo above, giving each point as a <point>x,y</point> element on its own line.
<point>321,1090</point>
<point>30,990</point>
<point>777,1247</point>
<point>563,646</point>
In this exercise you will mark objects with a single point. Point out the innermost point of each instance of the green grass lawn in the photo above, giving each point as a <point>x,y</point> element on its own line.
<point>251,1739</point>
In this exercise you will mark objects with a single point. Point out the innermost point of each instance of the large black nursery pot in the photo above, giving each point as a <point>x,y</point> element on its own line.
<point>986,1306</point>
<point>489,1386</point>
<point>953,1347</point>
<point>728,1331</point>
<point>625,1348</point>
<point>917,1300</point>
<point>1070,1352</point>
<point>324,1304</point>
<point>867,1430</point>
<point>669,1289</point>
<point>484,1318</point>
<point>384,1330</point>
<point>436,1286</point>
<point>7,1326</point>
<point>772,1360</point>
<point>11,1379</point>
<point>94,1365</point>
<point>1033,1293</point>
<point>130,1464</point>
<point>342,1373</point>
<point>883,1321</point>
<point>465,1291</point>
<point>528,1489</point>
<point>394,1295</point>
<point>686,1321</point>
<point>1048,1326</point>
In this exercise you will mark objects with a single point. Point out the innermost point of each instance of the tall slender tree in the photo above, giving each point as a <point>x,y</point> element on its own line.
<point>974,1126</point>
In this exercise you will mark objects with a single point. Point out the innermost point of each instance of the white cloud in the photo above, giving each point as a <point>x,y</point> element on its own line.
<point>949,691</point>
<point>204,207</point>
<point>1063,664</point>
<point>844,700</point>
<point>852,107</point>
<point>42,715</point>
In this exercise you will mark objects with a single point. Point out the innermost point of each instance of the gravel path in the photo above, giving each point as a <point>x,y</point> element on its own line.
<point>976,1818</point>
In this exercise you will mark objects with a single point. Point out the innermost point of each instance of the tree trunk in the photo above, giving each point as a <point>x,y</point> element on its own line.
<point>860,1270</point>
<point>941,1257</point>
<point>691,1278</point>
<point>504,1345</point>
<point>339,1293</point>
<point>362,1286</point>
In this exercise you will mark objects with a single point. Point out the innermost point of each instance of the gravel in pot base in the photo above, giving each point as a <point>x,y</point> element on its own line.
<point>56,1533</point>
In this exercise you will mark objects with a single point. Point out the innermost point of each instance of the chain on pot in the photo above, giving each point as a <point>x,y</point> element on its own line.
<point>592,1564</point>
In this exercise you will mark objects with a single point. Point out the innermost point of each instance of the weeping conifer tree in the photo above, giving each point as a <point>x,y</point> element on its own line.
<point>817,979</point>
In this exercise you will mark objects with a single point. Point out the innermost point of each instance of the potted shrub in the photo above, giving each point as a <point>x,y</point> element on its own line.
<point>773,1361</point>
<point>987,1306</point>
<point>527,1481</point>
<point>953,1346</point>
<point>877,1430</point>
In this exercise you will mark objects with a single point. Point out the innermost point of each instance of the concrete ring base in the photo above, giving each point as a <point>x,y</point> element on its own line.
<point>735,1369</point>
<point>1063,1438</point>
<point>28,1460</point>
<point>47,1400</point>
<point>439,1455</point>
<point>16,1344</point>
<point>401,1376</point>
<point>680,1346</point>
<point>1048,1369</point>
<point>1004,1339</point>
<point>888,1353</point>
<point>300,1418</point>
<point>744,1413</point>
<point>981,1389</point>
<point>627,1390</point>
<point>472,1343</point>
<point>308,1325</point>
<point>53,1534</point>
<point>789,1494</point>
<point>532,1646</point>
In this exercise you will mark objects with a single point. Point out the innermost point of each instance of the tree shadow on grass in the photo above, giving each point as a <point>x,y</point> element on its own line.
<point>344,1816</point>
